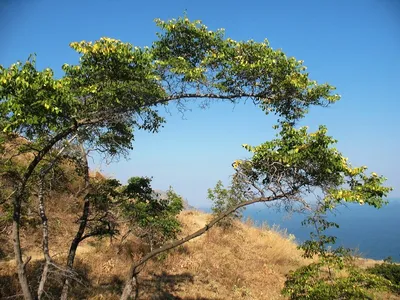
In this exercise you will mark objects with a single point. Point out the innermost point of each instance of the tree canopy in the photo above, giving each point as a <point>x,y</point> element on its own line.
<point>116,86</point>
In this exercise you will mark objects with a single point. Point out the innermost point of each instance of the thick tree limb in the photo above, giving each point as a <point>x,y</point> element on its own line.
<point>134,270</point>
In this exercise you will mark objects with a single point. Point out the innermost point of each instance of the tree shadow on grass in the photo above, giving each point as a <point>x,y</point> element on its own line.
<point>161,286</point>
<point>164,285</point>
<point>10,288</point>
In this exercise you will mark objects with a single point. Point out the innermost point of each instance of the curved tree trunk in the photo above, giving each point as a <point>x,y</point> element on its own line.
<point>74,247</point>
<point>131,282</point>
<point>17,202</point>
<point>128,289</point>
<point>82,226</point>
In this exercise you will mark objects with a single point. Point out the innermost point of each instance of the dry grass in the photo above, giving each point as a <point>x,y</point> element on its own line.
<point>240,263</point>
<point>243,262</point>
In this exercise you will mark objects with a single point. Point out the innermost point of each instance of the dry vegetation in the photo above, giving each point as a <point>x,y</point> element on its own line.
<point>243,262</point>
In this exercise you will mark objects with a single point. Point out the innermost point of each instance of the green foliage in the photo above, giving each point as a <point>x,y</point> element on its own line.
<point>223,199</point>
<point>389,271</point>
<point>314,282</point>
<point>195,56</point>
<point>153,217</point>
<point>103,98</point>
<point>334,276</point>
<point>301,162</point>
<point>104,198</point>
<point>33,103</point>
<point>116,88</point>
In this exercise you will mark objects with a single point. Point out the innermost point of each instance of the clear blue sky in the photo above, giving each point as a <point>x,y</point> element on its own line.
<point>354,45</point>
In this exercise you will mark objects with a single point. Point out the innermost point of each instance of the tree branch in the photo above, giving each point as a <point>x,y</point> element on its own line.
<point>134,269</point>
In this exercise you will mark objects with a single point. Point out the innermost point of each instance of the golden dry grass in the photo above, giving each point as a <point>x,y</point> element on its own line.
<point>240,263</point>
<point>243,262</point>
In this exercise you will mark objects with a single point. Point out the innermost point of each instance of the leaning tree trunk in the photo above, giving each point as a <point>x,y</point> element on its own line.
<point>128,289</point>
<point>134,271</point>
<point>82,226</point>
<point>74,247</point>
<point>17,203</point>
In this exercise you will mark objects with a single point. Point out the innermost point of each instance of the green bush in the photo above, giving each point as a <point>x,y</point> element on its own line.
<point>152,217</point>
<point>389,271</point>
<point>334,276</point>
<point>318,281</point>
<point>224,199</point>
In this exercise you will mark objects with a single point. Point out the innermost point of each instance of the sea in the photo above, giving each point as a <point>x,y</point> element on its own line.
<point>370,232</point>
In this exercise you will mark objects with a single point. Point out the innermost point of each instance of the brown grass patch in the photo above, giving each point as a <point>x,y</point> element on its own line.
<point>242,262</point>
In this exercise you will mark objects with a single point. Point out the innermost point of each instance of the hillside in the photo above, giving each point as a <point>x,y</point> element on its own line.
<point>242,263</point>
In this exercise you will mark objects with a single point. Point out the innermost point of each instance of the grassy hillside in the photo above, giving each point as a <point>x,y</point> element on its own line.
<point>242,263</point>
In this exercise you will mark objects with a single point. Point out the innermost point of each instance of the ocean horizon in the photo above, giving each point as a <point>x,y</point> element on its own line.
<point>372,233</point>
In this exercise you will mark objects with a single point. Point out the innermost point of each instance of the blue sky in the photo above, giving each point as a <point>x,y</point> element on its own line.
<point>353,45</point>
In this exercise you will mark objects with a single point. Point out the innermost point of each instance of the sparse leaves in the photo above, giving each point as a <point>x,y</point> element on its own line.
<point>224,199</point>
<point>188,55</point>
<point>153,217</point>
<point>298,161</point>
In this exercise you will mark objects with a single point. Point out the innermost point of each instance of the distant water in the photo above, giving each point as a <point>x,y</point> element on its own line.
<point>374,233</point>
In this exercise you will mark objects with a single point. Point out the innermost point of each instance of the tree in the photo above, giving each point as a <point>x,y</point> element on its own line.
<point>152,217</point>
<point>116,88</point>
<point>286,171</point>
<point>223,199</point>
<point>98,218</point>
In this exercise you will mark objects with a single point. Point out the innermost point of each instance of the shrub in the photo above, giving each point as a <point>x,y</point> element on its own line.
<point>154,218</point>
<point>223,199</point>
<point>389,271</point>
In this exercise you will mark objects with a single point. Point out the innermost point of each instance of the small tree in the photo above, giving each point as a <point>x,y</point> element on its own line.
<point>334,275</point>
<point>223,199</point>
<point>152,217</point>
